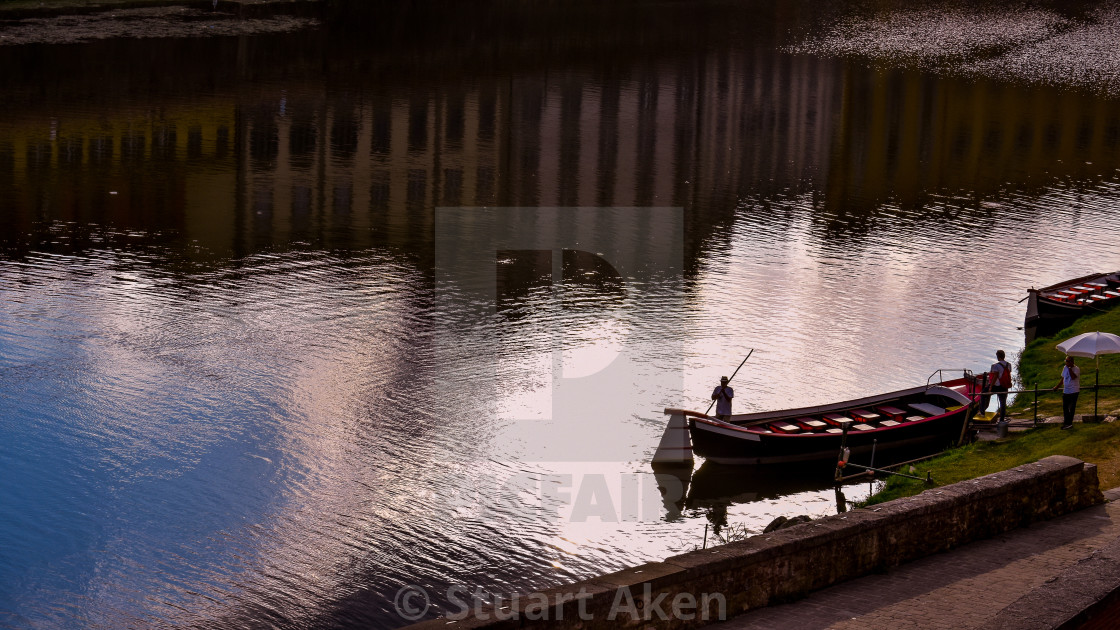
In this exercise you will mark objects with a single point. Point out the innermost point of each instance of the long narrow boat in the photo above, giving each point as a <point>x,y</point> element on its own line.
<point>920,420</point>
<point>1073,298</point>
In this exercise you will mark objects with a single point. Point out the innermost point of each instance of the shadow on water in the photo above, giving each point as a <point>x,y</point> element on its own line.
<point>720,486</point>
<point>715,484</point>
<point>714,489</point>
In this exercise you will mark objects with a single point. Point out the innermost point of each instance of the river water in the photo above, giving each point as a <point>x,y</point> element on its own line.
<point>291,322</point>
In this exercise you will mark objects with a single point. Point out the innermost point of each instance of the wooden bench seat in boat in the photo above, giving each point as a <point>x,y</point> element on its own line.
<point>838,420</point>
<point>810,424</point>
<point>889,423</point>
<point>785,427</point>
<point>894,413</point>
<point>833,430</point>
<point>865,415</point>
<point>1112,294</point>
<point>926,408</point>
<point>862,427</point>
<point>914,418</point>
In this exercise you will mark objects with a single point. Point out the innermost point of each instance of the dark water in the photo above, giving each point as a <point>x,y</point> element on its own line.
<point>249,372</point>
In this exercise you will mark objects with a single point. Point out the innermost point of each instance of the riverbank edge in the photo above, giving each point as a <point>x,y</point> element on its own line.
<point>689,590</point>
<point>1096,443</point>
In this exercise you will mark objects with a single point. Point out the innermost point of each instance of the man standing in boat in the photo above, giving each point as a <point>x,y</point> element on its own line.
<point>723,395</point>
<point>1000,379</point>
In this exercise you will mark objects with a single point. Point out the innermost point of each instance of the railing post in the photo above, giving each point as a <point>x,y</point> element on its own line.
<point>1036,402</point>
<point>840,461</point>
<point>1096,391</point>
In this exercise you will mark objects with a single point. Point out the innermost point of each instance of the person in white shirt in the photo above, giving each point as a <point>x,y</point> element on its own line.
<point>1071,387</point>
<point>723,395</point>
<point>1001,382</point>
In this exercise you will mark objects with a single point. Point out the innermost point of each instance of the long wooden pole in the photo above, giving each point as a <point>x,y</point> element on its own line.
<point>964,427</point>
<point>732,376</point>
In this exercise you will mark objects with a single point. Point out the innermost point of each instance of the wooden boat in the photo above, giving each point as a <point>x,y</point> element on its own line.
<point>1073,298</point>
<point>917,421</point>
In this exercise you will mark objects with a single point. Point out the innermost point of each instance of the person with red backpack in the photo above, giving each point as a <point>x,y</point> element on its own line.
<point>1000,378</point>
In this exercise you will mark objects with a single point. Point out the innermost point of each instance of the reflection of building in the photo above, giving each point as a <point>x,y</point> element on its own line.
<point>662,139</point>
<point>673,135</point>
<point>363,161</point>
<point>126,169</point>
<point>305,164</point>
<point>903,134</point>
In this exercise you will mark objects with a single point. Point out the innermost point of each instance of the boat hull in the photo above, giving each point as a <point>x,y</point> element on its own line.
<point>929,436</point>
<point>740,442</point>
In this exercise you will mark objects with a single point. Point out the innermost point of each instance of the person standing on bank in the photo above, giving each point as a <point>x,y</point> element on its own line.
<point>723,395</point>
<point>1071,386</point>
<point>1001,382</point>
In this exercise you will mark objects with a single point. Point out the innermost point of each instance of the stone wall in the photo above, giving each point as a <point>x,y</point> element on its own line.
<point>691,589</point>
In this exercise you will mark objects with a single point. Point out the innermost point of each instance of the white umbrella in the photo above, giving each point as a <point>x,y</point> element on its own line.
<point>1092,345</point>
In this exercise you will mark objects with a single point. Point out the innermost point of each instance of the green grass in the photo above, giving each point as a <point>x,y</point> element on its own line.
<point>1041,363</point>
<point>1095,443</point>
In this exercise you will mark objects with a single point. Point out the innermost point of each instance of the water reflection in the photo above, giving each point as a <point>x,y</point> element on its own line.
<point>724,494</point>
<point>717,488</point>
<point>226,394</point>
<point>904,135</point>
<point>641,135</point>
<point>240,171</point>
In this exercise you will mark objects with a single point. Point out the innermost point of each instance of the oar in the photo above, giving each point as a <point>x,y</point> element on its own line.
<point>732,376</point>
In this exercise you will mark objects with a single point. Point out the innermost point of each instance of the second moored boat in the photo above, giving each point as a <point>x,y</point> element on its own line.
<point>1073,298</point>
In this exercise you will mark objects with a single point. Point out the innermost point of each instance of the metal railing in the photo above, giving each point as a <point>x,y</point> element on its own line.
<point>1050,390</point>
<point>940,374</point>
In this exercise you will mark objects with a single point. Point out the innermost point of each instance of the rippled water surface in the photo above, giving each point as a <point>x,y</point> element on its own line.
<point>250,373</point>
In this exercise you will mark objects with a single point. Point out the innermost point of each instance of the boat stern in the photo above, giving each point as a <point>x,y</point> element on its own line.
<point>675,448</point>
<point>1032,306</point>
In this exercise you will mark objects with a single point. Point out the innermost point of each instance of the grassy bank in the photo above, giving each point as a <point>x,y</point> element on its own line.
<point>1041,363</point>
<point>1095,443</point>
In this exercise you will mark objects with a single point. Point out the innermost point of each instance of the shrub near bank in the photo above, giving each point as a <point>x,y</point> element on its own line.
<point>1094,443</point>
<point>1041,363</point>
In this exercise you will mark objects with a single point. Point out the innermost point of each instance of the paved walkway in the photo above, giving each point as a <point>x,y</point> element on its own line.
<point>964,588</point>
